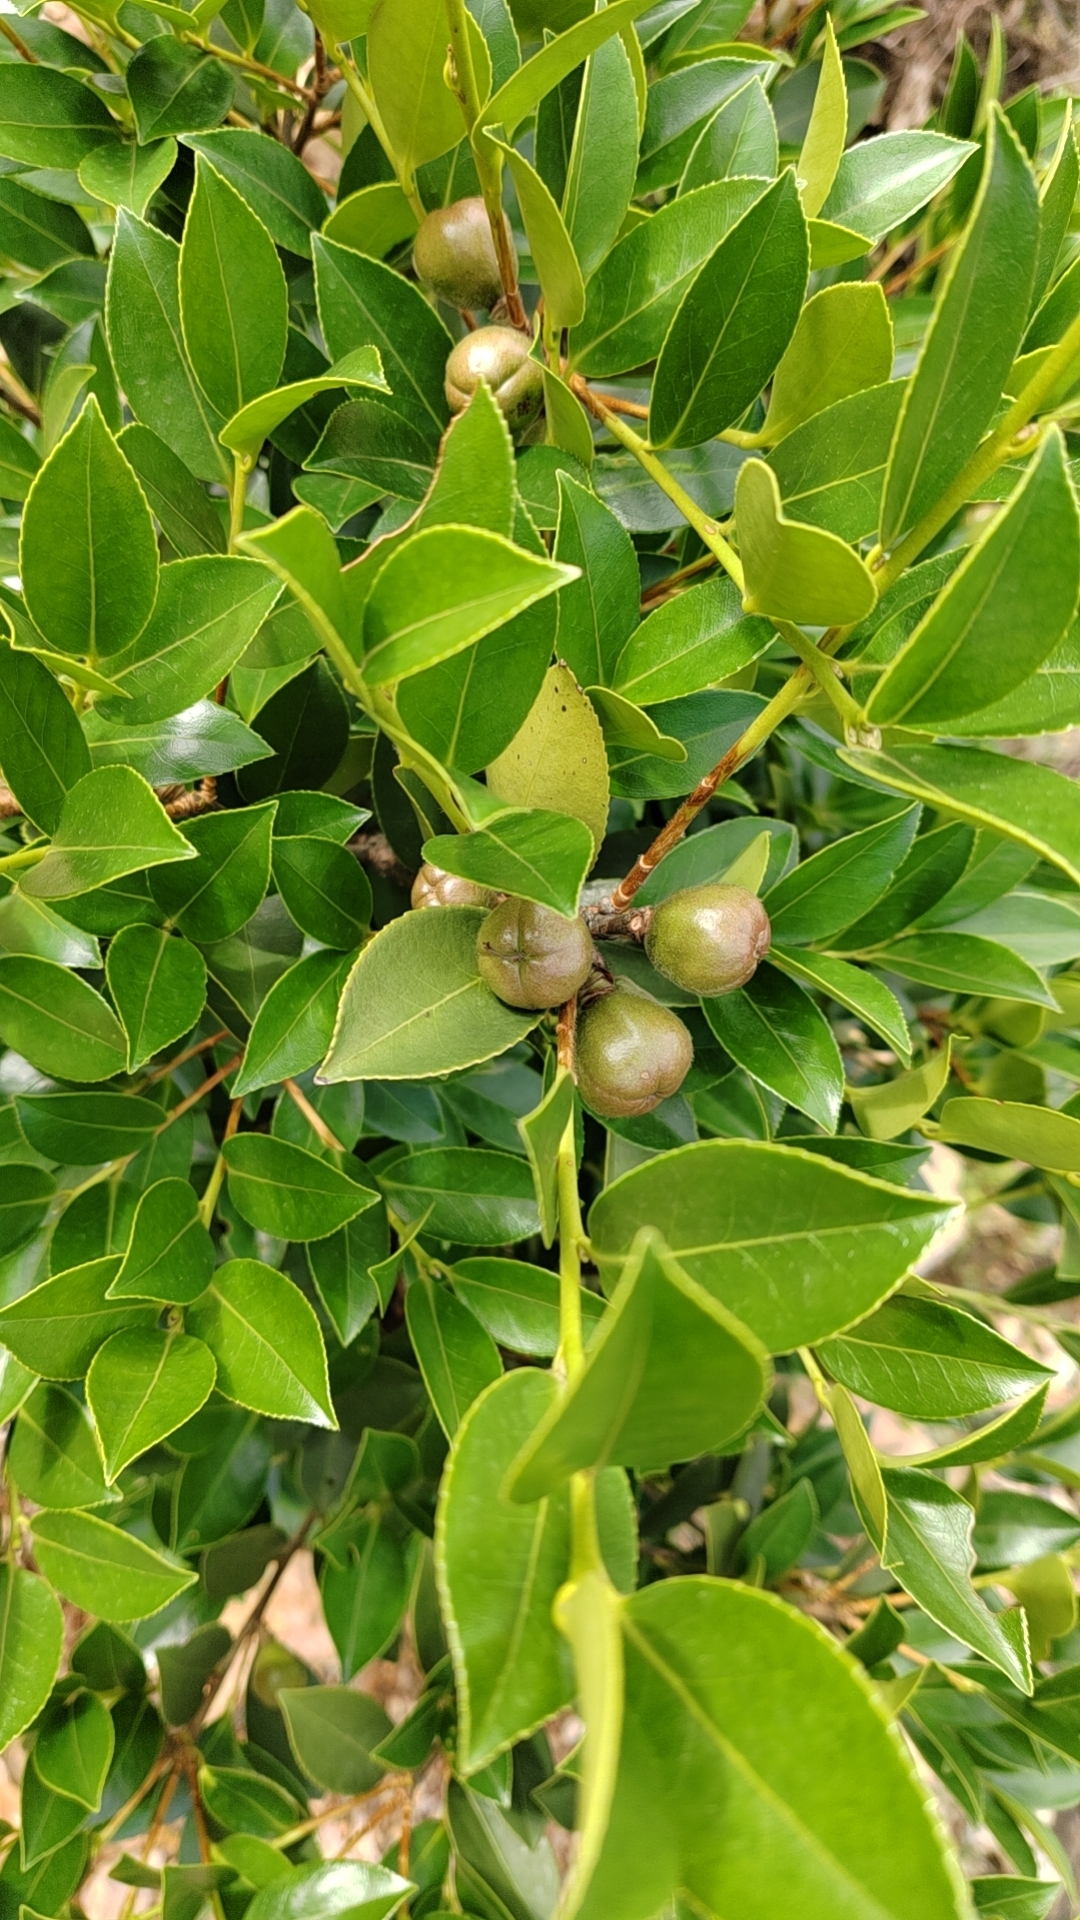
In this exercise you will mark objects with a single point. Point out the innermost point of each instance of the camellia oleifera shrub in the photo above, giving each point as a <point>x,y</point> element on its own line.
<point>508,867</point>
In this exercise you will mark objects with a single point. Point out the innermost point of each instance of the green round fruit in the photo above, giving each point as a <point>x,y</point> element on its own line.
<point>435,888</point>
<point>631,1053</point>
<point>501,356</point>
<point>532,957</point>
<point>454,255</point>
<point>709,939</point>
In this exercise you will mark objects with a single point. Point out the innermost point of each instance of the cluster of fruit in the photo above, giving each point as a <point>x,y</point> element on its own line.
<point>631,1052</point>
<point>454,257</point>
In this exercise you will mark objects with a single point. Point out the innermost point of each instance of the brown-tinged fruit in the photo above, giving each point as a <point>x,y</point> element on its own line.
<point>454,254</point>
<point>631,1053</point>
<point>501,356</point>
<point>709,940</point>
<point>532,957</point>
<point>433,887</point>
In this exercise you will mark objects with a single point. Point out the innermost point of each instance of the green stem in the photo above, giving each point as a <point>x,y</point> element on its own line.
<point>824,673</point>
<point>365,99</point>
<point>24,857</point>
<point>701,522</point>
<point>571,1235</point>
<point>237,499</point>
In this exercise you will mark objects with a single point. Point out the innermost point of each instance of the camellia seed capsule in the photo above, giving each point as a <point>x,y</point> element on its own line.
<point>631,1053</point>
<point>532,957</point>
<point>709,939</point>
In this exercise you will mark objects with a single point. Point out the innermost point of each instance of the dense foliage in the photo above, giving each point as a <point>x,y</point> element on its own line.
<point>508,867</point>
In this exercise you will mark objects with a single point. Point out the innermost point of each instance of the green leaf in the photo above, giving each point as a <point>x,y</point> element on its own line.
<point>414,1004</point>
<point>266,1341</point>
<point>176,89</point>
<point>93,594</point>
<point>58,1326</point>
<point>702,1729</point>
<point>19,460</point>
<point>890,1108</point>
<point>739,139</point>
<point>557,759</point>
<point>48,118</point>
<point>57,1022</point>
<point>457,1358</point>
<point>973,338</point>
<point>1001,613</point>
<point>929,1361</point>
<point>517,97</point>
<point>966,963</point>
<point>74,1748</point>
<point>831,468</point>
<point>603,157</point>
<point>407,43</point>
<point>692,641</point>
<point>221,888</point>
<point>635,293</point>
<point>995,1441</point>
<point>362,303</point>
<point>142,310</point>
<point>170,1255</point>
<point>284,1190</point>
<point>239,1799</point>
<point>31,1642</point>
<point>820,897</point>
<point>826,134</point>
<point>184,1671</point>
<point>38,234</point>
<point>209,609</point>
<point>443,589</point>
<point>43,749</point>
<point>669,1374</point>
<point>80,1129</point>
<point>293,1026</point>
<point>734,322</point>
<point>25,1202</point>
<point>103,1570</point>
<point>773,1029</point>
<point>53,1454</point>
<point>325,889</point>
<point>186,516</point>
<point>1027,803</point>
<point>141,1386</point>
<point>111,824</point>
<point>679,106</point>
<point>233,299</point>
<point>793,1245</point>
<point>843,343</point>
<point>929,1550</point>
<point>598,612</point>
<point>541,1133</point>
<point>472,1195</point>
<point>246,431</point>
<point>518,1303</point>
<point>276,185</point>
<point>795,572</point>
<point>364,1598</point>
<point>342,1267</point>
<point>868,998</point>
<point>557,266</point>
<point>881,182</point>
<point>127,176</point>
<point>331,1890</point>
<point>158,986</point>
<point>1018,1132</point>
<point>533,854</point>
<point>374,220</point>
<point>332,1731</point>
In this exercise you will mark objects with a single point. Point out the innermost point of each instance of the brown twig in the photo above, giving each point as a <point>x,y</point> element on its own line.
<point>566,1034</point>
<point>212,1080</point>
<point>21,48</point>
<point>179,1060</point>
<point>661,589</point>
<point>633,407</point>
<point>17,396</point>
<point>187,804</point>
<point>900,280</point>
<point>219,1675</point>
<point>318,88</point>
<point>670,835</point>
<point>374,850</point>
<point>313,1117</point>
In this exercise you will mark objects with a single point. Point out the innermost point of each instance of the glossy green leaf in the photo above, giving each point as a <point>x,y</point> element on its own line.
<point>603,155</point>
<point>95,593</point>
<point>469,1194</point>
<point>740,139</point>
<point>826,135</point>
<point>111,824</point>
<point>179,504</point>
<point>43,749</point>
<point>158,986</point>
<point>457,1358</point>
<point>331,1890</point>
<point>978,323</point>
<point>25,1200</point>
<point>541,1133</point>
<point>1038,1134</point>
<point>58,1326</point>
<point>892,1106</point>
<point>218,891</point>
<point>332,1731</point>
<point>843,343</point>
<point>246,431</point>
<point>640,1400</point>
<point>555,258</point>
<point>141,1386</point>
<point>127,176</point>
<point>535,855</point>
<point>518,1303</point>
<point>518,95</point>
<point>773,1029</point>
<point>793,571</point>
<point>679,105</point>
<point>103,1570</point>
<point>342,1266</point>
<point>176,89</point>
<point>407,41</point>
<point>929,1361</point>
<point>73,1749</point>
<point>208,611</point>
<point>375,220</point>
<point>48,118</point>
<point>694,640</point>
<point>266,1341</point>
<point>31,1642</point>
<point>324,888</point>
<point>292,1028</point>
<point>821,895</point>
<point>831,468</point>
<point>443,589</point>
<point>146,342</point>
<point>80,1129</point>
<point>814,1843</point>
<point>284,1190</point>
<point>52,1017</point>
<point>556,760</point>
<point>882,182</point>
<point>966,963</point>
<point>363,303</point>
<point>364,1598</point>
<point>414,1004</point>
<point>53,1454</point>
<point>795,1247</point>
<point>734,322</point>
<point>275,184</point>
<point>170,1255</point>
<point>233,300</point>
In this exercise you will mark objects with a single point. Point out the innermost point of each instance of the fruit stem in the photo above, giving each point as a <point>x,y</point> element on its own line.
<point>571,1354</point>
<point>487,159</point>
<point>824,673</point>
